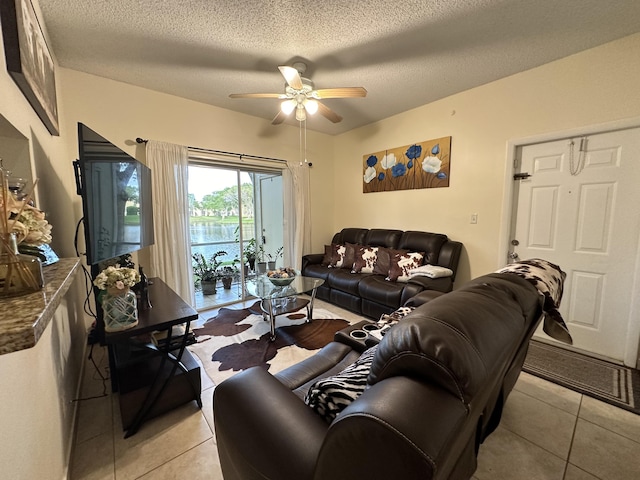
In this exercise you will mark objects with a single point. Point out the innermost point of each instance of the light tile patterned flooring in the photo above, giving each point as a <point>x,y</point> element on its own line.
<point>547,433</point>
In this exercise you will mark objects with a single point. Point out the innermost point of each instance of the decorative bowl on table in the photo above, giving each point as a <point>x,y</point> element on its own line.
<point>281,276</point>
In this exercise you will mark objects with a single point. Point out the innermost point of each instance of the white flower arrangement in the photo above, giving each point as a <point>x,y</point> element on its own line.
<point>120,278</point>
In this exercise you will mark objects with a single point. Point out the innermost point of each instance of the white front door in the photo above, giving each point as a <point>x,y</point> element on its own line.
<point>580,209</point>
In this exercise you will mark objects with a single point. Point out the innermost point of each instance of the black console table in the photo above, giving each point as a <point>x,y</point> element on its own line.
<point>150,366</point>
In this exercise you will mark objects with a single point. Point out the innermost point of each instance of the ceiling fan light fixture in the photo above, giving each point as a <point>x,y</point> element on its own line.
<point>301,95</point>
<point>287,106</point>
<point>301,114</point>
<point>311,106</point>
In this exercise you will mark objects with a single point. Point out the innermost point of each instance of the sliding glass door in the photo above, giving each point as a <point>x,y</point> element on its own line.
<point>233,212</point>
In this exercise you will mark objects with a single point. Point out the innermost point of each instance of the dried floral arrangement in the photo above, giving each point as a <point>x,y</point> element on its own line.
<point>23,219</point>
<point>30,227</point>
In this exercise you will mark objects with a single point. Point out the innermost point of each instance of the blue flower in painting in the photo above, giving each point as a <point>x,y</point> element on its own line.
<point>441,175</point>
<point>410,164</point>
<point>414,151</point>
<point>381,176</point>
<point>372,160</point>
<point>398,170</point>
<point>436,149</point>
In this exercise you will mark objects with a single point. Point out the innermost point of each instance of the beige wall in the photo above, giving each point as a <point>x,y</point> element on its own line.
<point>593,87</point>
<point>38,384</point>
<point>38,389</point>
<point>121,112</point>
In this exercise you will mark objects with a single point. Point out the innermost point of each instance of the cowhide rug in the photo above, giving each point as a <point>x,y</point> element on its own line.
<point>237,339</point>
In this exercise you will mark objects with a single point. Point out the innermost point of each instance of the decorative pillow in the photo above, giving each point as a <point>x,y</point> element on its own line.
<point>329,396</point>
<point>383,262</point>
<point>365,259</point>
<point>328,254</point>
<point>337,255</point>
<point>393,317</point>
<point>402,263</point>
<point>431,271</point>
<point>349,255</point>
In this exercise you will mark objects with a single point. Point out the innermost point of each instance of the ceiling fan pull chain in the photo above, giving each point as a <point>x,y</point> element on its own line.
<point>305,142</point>
<point>300,138</point>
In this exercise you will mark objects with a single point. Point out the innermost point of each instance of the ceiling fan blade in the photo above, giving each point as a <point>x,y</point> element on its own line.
<point>328,113</point>
<point>342,92</point>
<point>257,95</point>
<point>279,118</point>
<point>292,77</point>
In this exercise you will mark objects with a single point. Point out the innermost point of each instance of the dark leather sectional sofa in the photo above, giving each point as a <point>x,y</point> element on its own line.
<point>369,294</point>
<point>435,391</point>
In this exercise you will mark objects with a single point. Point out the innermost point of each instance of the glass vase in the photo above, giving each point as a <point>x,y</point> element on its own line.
<point>120,310</point>
<point>20,274</point>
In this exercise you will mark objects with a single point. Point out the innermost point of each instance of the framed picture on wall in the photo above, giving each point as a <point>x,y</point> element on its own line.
<point>425,164</point>
<point>28,59</point>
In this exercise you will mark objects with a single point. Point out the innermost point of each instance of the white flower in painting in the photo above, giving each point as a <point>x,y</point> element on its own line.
<point>389,160</point>
<point>369,174</point>
<point>431,164</point>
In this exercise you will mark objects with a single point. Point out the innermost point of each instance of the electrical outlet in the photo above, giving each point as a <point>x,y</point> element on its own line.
<point>474,218</point>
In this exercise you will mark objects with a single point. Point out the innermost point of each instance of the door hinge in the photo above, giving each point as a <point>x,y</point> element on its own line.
<point>521,176</point>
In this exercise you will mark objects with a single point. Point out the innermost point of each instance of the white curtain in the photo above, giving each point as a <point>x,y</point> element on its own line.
<point>171,253</point>
<point>297,224</point>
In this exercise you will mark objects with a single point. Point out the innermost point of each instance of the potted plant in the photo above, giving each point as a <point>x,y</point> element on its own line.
<point>279,253</point>
<point>228,273</point>
<point>271,263</point>
<point>207,270</point>
<point>250,253</point>
<point>261,266</point>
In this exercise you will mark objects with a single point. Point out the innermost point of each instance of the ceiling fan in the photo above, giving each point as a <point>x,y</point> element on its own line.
<point>300,95</point>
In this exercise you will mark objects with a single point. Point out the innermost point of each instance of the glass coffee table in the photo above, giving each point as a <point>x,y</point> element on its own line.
<point>278,300</point>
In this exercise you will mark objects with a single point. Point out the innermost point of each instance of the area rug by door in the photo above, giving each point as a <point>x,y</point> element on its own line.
<point>237,339</point>
<point>615,384</point>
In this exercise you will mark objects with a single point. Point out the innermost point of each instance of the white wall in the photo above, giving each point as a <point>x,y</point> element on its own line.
<point>592,87</point>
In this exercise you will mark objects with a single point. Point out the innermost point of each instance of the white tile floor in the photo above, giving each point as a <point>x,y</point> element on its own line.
<point>547,432</point>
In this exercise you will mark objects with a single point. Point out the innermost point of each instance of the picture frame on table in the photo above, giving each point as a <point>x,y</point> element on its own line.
<point>28,59</point>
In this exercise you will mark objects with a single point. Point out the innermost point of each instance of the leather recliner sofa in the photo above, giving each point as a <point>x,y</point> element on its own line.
<point>437,384</point>
<point>369,294</point>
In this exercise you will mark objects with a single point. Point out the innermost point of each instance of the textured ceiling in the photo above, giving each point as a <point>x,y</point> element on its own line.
<point>405,53</point>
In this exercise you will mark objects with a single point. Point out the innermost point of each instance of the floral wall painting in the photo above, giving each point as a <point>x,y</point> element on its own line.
<point>28,59</point>
<point>420,165</point>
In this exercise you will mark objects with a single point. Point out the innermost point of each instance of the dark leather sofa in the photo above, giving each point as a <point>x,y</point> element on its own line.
<point>369,294</point>
<point>435,391</point>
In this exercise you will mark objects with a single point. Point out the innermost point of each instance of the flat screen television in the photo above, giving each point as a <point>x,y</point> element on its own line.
<point>116,198</point>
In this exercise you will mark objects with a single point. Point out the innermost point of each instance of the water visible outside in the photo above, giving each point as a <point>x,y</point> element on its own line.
<point>218,237</point>
<point>214,222</point>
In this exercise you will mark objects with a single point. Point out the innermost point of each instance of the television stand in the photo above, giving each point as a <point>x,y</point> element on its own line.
<point>151,368</point>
